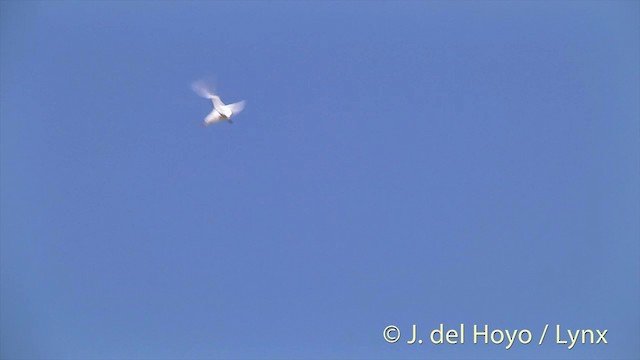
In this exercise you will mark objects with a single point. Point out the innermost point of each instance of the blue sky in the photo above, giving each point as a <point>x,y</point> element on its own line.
<point>398,163</point>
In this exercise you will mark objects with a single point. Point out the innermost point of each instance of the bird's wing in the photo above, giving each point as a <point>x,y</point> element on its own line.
<point>201,88</point>
<point>237,107</point>
<point>217,103</point>
<point>212,117</point>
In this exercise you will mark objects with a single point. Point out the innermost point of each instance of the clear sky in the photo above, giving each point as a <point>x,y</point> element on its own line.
<point>397,163</point>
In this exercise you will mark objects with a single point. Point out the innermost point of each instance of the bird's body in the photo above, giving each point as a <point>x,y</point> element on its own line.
<point>220,112</point>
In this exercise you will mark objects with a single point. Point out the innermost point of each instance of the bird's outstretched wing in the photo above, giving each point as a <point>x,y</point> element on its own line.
<point>217,103</point>
<point>213,117</point>
<point>237,107</point>
<point>201,88</point>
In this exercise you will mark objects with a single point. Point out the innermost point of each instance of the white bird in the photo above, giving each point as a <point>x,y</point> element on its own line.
<point>220,112</point>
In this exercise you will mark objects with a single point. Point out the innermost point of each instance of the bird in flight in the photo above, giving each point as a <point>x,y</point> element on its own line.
<point>220,112</point>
